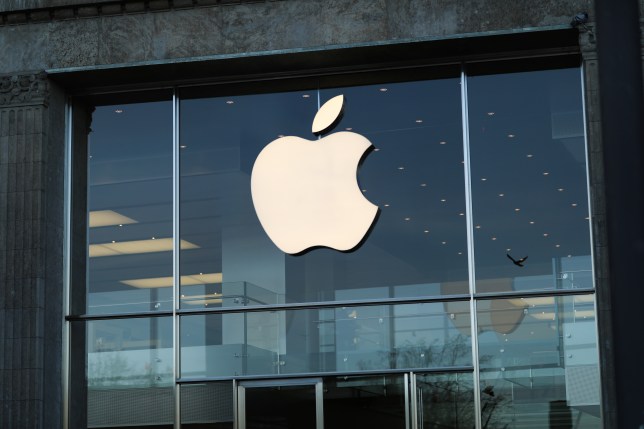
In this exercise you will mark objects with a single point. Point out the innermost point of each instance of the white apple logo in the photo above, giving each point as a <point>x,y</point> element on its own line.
<point>306,192</point>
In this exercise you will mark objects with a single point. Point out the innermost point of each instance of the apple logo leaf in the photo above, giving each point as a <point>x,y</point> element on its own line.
<point>327,115</point>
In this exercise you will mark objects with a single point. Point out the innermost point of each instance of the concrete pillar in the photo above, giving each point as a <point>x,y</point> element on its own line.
<point>31,251</point>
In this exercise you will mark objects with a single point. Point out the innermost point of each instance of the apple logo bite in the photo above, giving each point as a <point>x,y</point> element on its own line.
<point>306,192</point>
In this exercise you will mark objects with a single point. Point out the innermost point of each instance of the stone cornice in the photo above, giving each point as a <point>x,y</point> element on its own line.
<point>108,8</point>
<point>24,89</point>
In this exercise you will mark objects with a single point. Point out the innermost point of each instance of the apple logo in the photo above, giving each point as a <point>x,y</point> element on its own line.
<point>306,192</point>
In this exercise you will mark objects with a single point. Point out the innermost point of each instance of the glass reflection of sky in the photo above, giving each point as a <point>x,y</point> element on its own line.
<point>529,186</point>
<point>528,190</point>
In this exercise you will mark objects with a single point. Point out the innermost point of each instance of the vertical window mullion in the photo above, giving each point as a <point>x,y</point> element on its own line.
<point>175,259</point>
<point>470,247</point>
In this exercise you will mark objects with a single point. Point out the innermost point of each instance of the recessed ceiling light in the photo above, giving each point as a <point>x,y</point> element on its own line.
<point>557,245</point>
<point>183,146</point>
<point>493,238</point>
<point>501,195</point>
<point>442,142</point>
<point>348,128</point>
<point>508,249</point>
<point>407,218</point>
<point>230,102</point>
<point>545,173</point>
<point>305,95</point>
<point>511,136</point>
<point>423,185</point>
<point>461,214</point>
<point>419,121</point>
<point>280,135</point>
<point>376,150</point>
<point>118,111</point>
<point>426,231</point>
<point>383,90</point>
<point>529,155</point>
<point>517,209</point>
<point>483,179</point>
<point>460,253</point>
<point>545,234</point>
<point>401,168</point>
<point>531,222</point>
<point>443,200</point>
<point>364,190</point>
<point>444,242</point>
<point>574,204</point>
<point>490,113</point>
<point>386,205</point>
<point>478,227</point>
<point>560,189</point>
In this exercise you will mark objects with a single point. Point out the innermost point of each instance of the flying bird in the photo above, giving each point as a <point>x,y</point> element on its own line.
<point>518,263</point>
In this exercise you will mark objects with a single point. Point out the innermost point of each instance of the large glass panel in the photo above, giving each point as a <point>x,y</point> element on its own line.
<point>130,208</point>
<point>539,362</point>
<point>445,401</point>
<point>129,373</point>
<point>529,186</point>
<point>325,340</point>
<point>365,402</point>
<point>417,246</point>
<point>207,405</point>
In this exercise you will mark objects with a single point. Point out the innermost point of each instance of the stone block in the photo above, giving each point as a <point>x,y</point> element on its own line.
<point>111,9</point>
<point>87,11</point>
<point>64,13</point>
<point>16,18</point>
<point>40,16</point>
<point>159,4</point>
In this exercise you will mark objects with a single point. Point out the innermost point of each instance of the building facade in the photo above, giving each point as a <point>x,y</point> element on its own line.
<point>141,286</point>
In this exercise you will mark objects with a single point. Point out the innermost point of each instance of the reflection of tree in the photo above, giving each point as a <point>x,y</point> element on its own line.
<point>445,399</point>
<point>106,370</point>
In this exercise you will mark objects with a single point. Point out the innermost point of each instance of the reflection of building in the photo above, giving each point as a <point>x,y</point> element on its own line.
<point>139,289</point>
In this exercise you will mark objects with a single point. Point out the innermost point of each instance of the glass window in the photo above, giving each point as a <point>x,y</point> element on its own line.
<point>130,373</point>
<point>539,362</point>
<point>445,400</point>
<point>323,340</point>
<point>130,208</point>
<point>207,405</point>
<point>417,245</point>
<point>529,185</point>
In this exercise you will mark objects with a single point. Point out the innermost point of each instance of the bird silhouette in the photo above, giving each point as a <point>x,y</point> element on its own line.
<point>518,263</point>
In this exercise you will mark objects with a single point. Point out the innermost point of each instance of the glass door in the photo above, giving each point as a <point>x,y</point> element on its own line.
<point>280,404</point>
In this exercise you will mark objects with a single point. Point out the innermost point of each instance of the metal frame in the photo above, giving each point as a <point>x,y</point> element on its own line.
<point>240,383</point>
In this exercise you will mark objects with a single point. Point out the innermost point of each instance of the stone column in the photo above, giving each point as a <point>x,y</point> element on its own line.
<point>32,129</point>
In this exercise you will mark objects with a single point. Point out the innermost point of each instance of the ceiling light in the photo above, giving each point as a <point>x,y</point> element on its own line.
<point>574,204</point>
<point>493,238</point>
<point>422,185</point>
<point>386,205</point>
<point>501,195</point>
<point>280,135</point>
<point>444,242</point>
<point>118,111</point>
<point>108,218</point>
<point>443,200</point>
<point>189,280</point>
<point>461,214</point>
<point>511,136</point>
<point>545,173</point>
<point>531,222</point>
<point>419,121</point>
<point>401,168</point>
<point>364,190</point>
<point>478,227</point>
<point>560,189</point>
<point>230,102</point>
<point>483,179</point>
<point>529,155</point>
<point>305,95</point>
<point>136,247</point>
<point>545,234</point>
<point>183,146</point>
<point>557,245</point>
<point>442,142</point>
<point>383,89</point>
<point>426,231</point>
<point>407,218</point>
<point>490,113</point>
<point>517,210</point>
<point>348,128</point>
<point>376,150</point>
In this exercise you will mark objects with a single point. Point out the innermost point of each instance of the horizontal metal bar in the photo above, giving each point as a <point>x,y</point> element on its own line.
<point>147,314</point>
<point>437,370</point>
<point>533,294</point>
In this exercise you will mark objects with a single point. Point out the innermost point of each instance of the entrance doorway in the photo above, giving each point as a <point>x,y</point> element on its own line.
<point>388,401</point>
<point>280,404</point>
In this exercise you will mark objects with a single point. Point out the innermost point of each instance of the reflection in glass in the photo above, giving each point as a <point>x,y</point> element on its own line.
<point>445,400</point>
<point>529,185</point>
<point>129,372</point>
<point>130,209</point>
<point>365,402</point>
<point>207,405</point>
<point>414,174</point>
<point>539,362</point>
<point>323,340</point>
